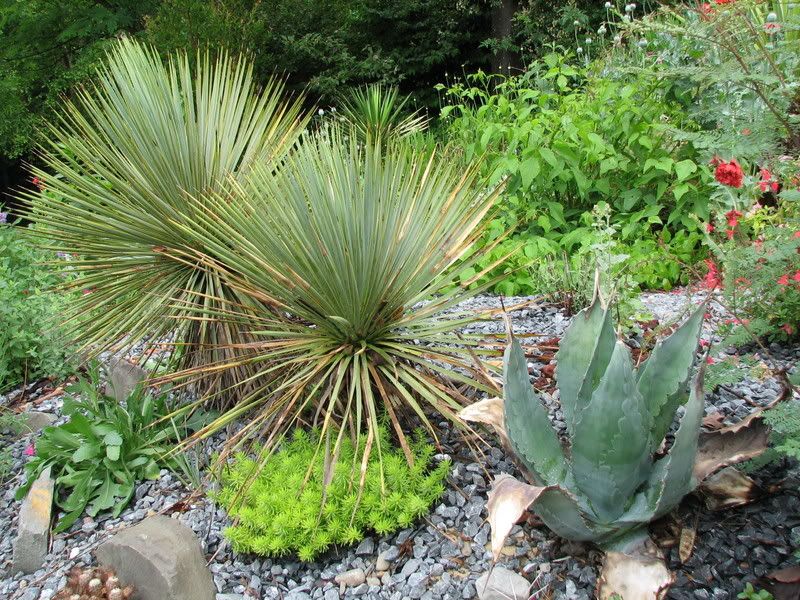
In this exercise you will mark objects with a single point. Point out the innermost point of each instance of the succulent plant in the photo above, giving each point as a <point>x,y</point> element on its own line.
<point>93,584</point>
<point>612,475</point>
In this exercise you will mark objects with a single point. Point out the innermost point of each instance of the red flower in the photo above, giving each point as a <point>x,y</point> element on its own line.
<point>729,233</point>
<point>706,10</point>
<point>723,1</point>
<point>796,275</point>
<point>710,227</point>
<point>29,450</point>
<point>758,243</point>
<point>733,217</point>
<point>787,328</point>
<point>729,173</point>
<point>704,343</point>
<point>709,360</point>
<point>746,131</point>
<point>796,234</point>
<point>775,186</point>
<point>772,28</point>
<point>711,279</point>
<point>783,280</point>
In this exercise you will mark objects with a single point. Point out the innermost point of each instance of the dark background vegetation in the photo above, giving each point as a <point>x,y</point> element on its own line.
<point>320,46</point>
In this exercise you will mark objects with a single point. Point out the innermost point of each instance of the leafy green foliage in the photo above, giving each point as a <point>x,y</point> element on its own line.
<point>279,510</point>
<point>750,593</point>
<point>11,425</point>
<point>784,419</point>
<point>47,48</point>
<point>567,139</point>
<point>105,448</point>
<point>329,45</point>
<point>734,73</point>
<point>31,344</point>
<point>124,166</point>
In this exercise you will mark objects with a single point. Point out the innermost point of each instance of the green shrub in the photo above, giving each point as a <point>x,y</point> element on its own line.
<point>30,341</point>
<point>105,448</point>
<point>568,138</point>
<point>278,511</point>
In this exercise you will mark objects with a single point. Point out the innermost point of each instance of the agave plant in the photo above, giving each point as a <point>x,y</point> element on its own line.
<point>379,112</point>
<point>614,476</point>
<point>356,247</point>
<point>130,156</point>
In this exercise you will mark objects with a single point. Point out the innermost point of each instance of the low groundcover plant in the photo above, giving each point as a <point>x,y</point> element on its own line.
<point>279,511</point>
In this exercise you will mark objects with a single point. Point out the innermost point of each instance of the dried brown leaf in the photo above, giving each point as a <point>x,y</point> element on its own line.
<point>728,488</point>
<point>638,574</point>
<point>489,411</point>
<point>730,445</point>
<point>686,543</point>
<point>508,501</point>
<point>784,584</point>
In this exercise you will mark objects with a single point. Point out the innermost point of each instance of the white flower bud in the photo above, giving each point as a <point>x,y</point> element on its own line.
<point>772,17</point>
<point>580,50</point>
<point>608,5</point>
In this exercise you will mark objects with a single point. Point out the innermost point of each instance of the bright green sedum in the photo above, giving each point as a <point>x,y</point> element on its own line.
<point>279,512</point>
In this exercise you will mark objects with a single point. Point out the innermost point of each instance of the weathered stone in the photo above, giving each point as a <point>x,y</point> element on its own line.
<point>30,547</point>
<point>351,578</point>
<point>502,584</point>
<point>124,377</point>
<point>35,420</point>
<point>161,558</point>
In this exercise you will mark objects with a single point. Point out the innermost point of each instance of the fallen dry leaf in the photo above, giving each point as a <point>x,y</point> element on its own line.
<point>508,500</point>
<point>784,584</point>
<point>728,488</point>
<point>686,542</point>
<point>639,574</point>
<point>714,421</point>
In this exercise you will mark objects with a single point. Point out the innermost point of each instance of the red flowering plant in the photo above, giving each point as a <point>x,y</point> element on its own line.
<point>756,265</point>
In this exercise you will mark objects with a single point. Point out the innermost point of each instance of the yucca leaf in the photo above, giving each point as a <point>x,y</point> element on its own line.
<point>349,246</point>
<point>610,447</point>
<point>130,158</point>
<point>526,422</point>
<point>663,377</point>
<point>376,113</point>
<point>583,354</point>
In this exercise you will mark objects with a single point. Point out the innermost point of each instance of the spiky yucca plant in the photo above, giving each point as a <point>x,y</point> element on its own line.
<point>131,155</point>
<point>378,112</point>
<point>354,246</point>
<point>610,482</point>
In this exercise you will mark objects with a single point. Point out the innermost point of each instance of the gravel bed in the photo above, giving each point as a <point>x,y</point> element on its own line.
<point>444,554</point>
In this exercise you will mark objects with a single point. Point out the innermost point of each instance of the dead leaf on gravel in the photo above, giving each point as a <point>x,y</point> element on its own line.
<point>686,543</point>
<point>508,500</point>
<point>728,488</point>
<point>490,411</point>
<point>714,421</point>
<point>638,575</point>
<point>784,584</point>
<point>730,445</point>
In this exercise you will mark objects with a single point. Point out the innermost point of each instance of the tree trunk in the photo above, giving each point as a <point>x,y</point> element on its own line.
<point>504,60</point>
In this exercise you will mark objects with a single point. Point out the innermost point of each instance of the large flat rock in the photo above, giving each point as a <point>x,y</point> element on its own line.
<point>33,530</point>
<point>161,559</point>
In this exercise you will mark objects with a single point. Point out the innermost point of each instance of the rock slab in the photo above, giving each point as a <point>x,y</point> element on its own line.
<point>30,547</point>
<point>161,559</point>
<point>502,584</point>
<point>124,377</point>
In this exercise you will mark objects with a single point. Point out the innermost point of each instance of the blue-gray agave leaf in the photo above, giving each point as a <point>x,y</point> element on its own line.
<point>610,447</point>
<point>584,353</point>
<point>663,377</point>
<point>528,427</point>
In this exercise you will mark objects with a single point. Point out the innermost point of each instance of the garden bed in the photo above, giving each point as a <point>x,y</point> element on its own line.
<point>443,555</point>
